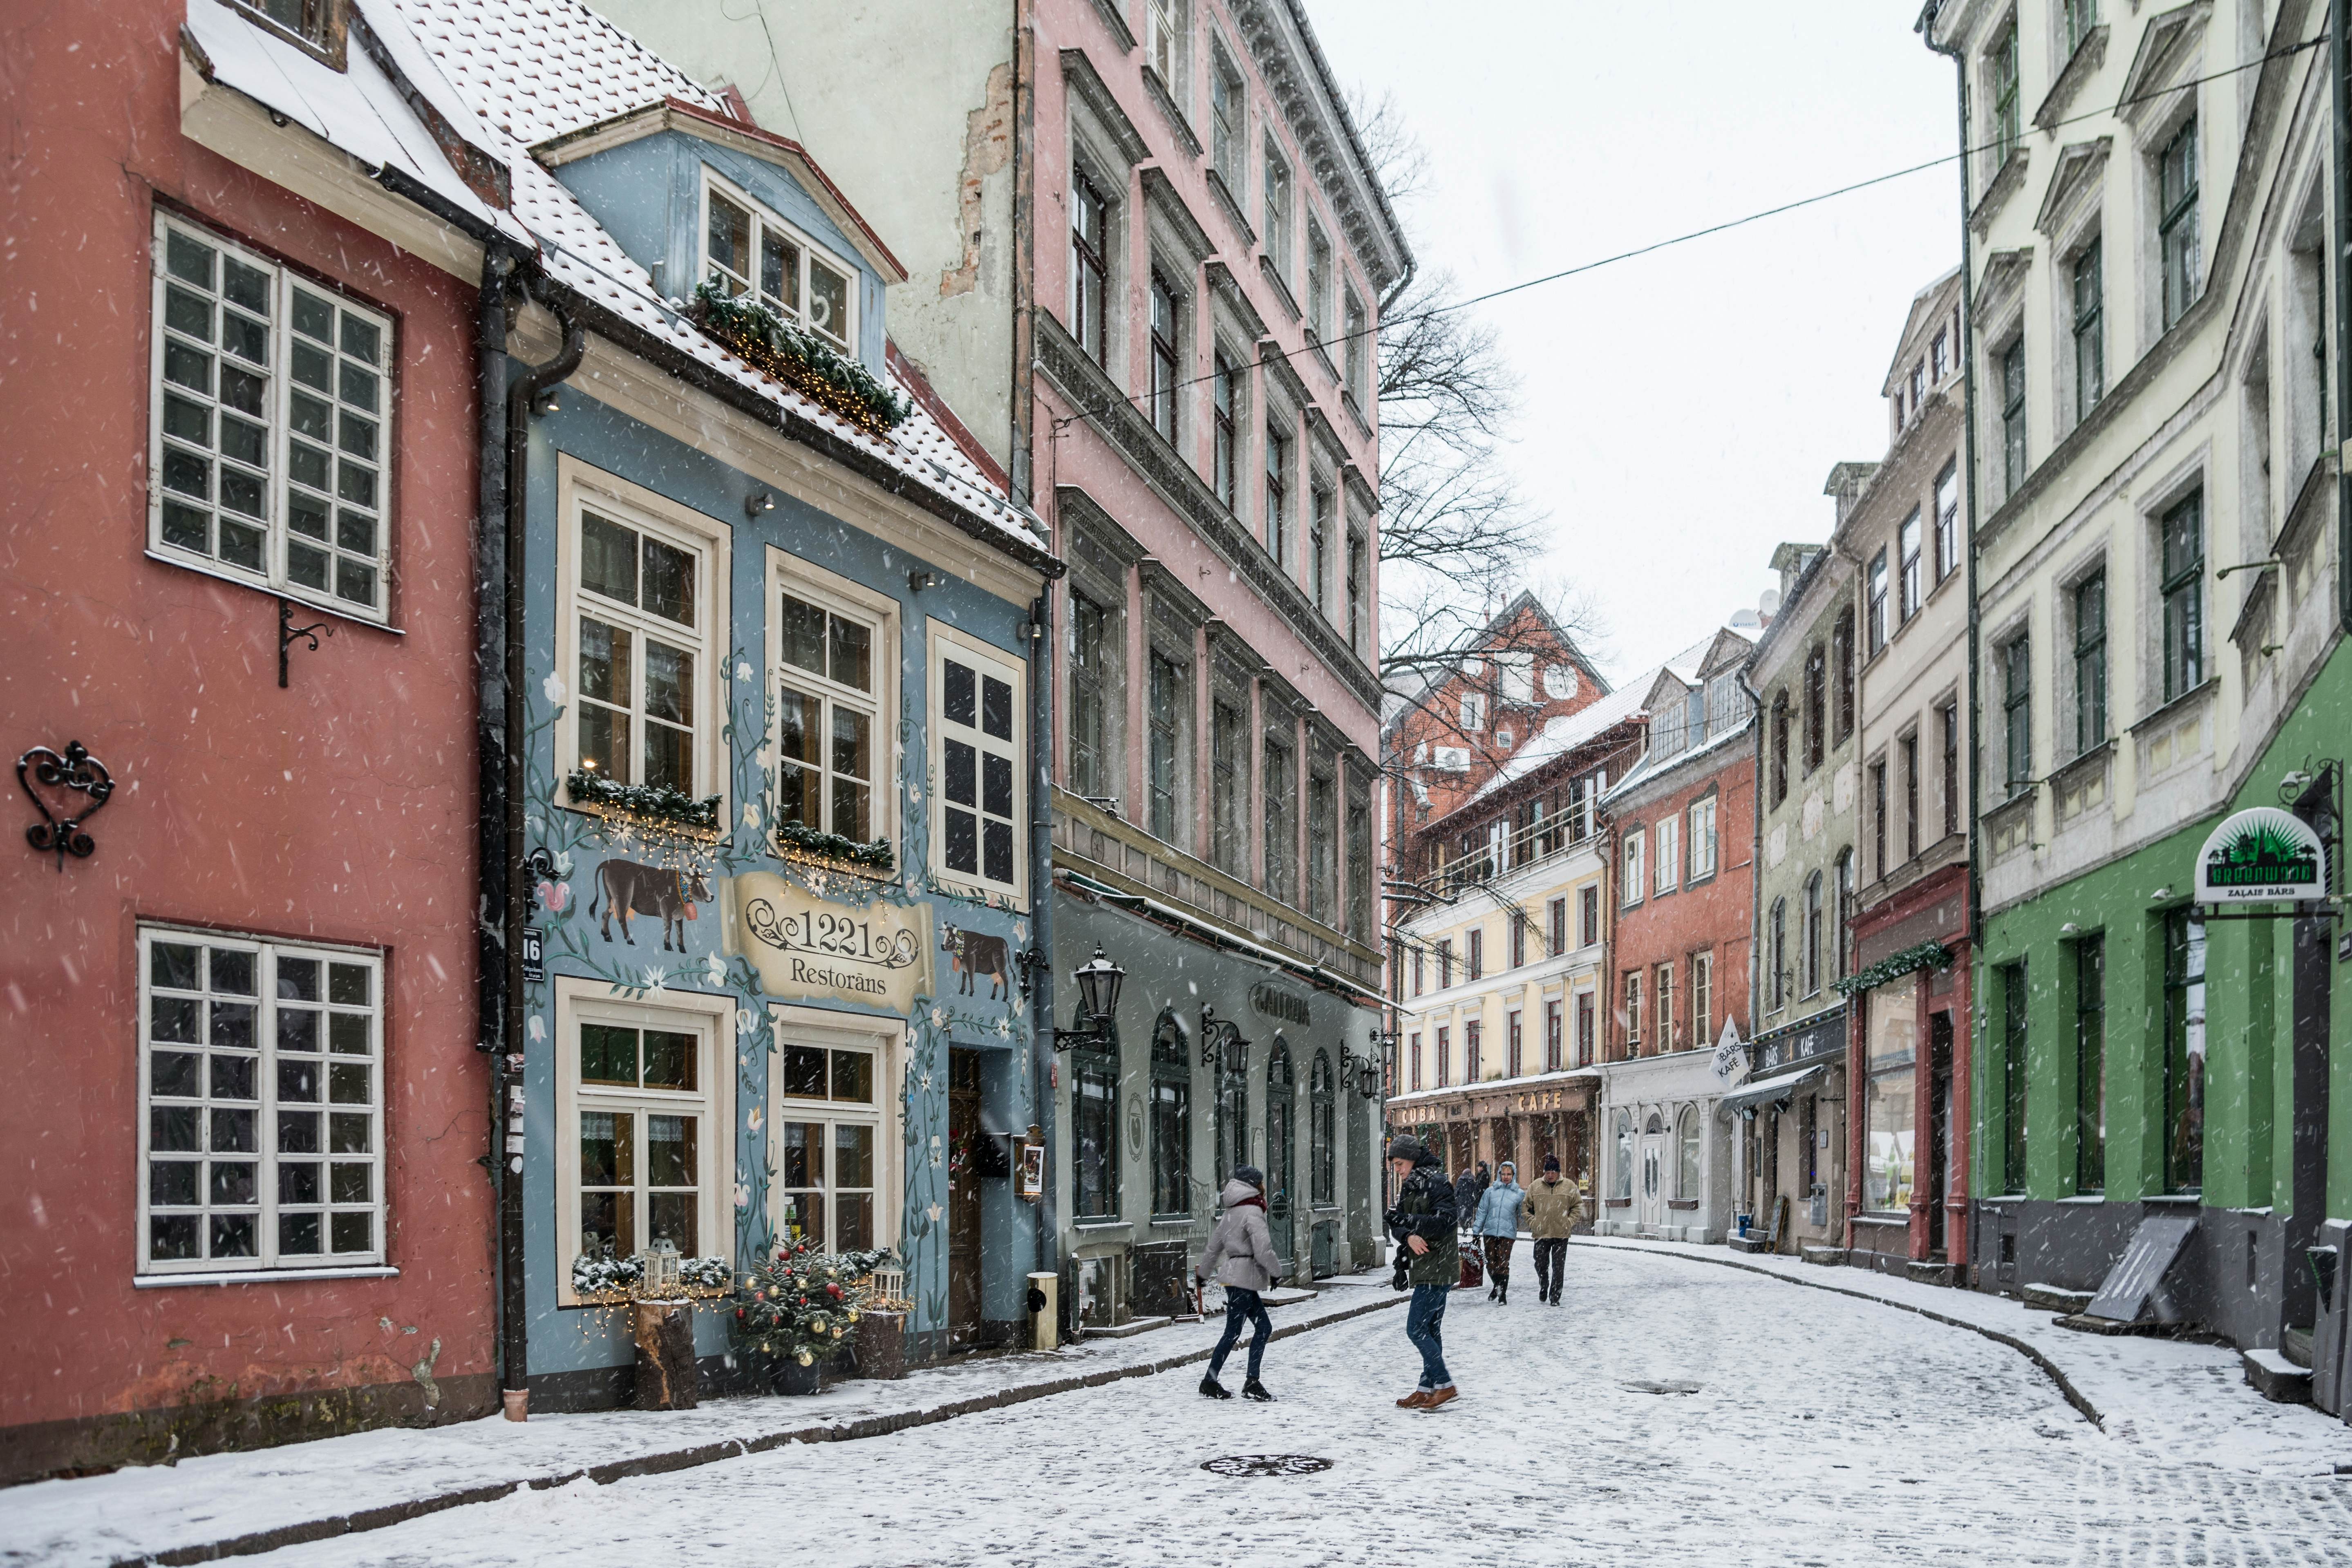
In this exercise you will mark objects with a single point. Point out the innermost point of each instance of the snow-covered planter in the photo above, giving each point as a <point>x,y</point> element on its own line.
<point>616,1282</point>
<point>801,1306</point>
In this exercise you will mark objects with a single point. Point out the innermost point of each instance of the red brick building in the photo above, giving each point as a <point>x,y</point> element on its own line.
<point>243,1135</point>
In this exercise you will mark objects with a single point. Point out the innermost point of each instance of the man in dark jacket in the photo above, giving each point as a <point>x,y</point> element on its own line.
<point>1423,1222</point>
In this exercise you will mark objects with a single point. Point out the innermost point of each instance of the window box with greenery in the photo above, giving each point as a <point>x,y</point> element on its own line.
<point>798,358</point>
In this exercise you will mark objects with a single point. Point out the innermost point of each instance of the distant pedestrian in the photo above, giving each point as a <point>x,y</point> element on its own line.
<point>1554,1205</point>
<point>1497,1227</point>
<point>1423,1221</point>
<point>1241,1250</point>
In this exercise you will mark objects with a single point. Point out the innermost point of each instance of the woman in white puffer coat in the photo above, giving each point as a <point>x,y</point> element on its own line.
<point>1241,1250</point>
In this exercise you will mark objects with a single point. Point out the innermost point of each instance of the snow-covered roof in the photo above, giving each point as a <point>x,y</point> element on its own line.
<point>507,75</point>
<point>1561,736</point>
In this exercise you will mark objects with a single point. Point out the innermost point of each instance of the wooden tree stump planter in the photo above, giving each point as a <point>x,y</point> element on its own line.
<point>667,1378</point>
<point>881,1343</point>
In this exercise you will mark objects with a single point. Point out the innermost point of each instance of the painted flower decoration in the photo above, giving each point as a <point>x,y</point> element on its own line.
<point>751,813</point>
<point>742,1194</point>
<point>563,863</point>
<point>752,1119</point>
<point>716,968</point>
<point>657,978</point>
<point>742,669</point>
<point>537,1030</point>
<point>554,896</point>
<point>553,687</point>
<point>935,1210</point>
<point>939,1018</point>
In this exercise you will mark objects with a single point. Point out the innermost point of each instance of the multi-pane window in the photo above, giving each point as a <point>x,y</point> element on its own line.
<point>1318,282</point>
<point>2090,662</point>
<point>828,716</point>
<point>1669,855</point>
<point>1812,935</point>
<point>1702,1002</point>
<point>1514,1063</point>
<point>827,1137</point>
<point>748,251</point>
<point>1322,845</point>
<point>315,22</point>
<point>1094,1132</point>
<point>2013,1075</point>
<point>1878,817</point>
<point>2183,587</point>
<point>1444,1057</point>
<point>1588,914</point>
<point>1587,1024</point>
<point>1948,521</point>
<point>261,1145</point>
<point>2184,1052</point>
<point>1277,494</point>
<point>2090,340</point>
<point>1665,1038</point>
<point>1281,820</point>
<point>1170,700</point>
<point>1229,786</point>
<point>1171,1120</point>
<point>1555,1037</point>
<point>1776,954</point>
<point>1356,592</point>
<point>2004,92</point>
<point>1702,839</point>
<point>1817,681</point>
<point>1474,955</point>
<point>1412,1052</point>
<point>978,724</point>
<point>271,425</point>
<point>2081,16</point>
<point>1164,40</point>
<point>1089,267</point>
<point>2090,1065</point>
<point>1091,651</point>
<point>1278,212</point>
<point>1444,963</point>
<point>2012,416</point>
<point>1879,627</point>
<point>1474,1049</point>
<point>1322,1118</point>
<point>1629,876</point>
<point>1228,117</point>
<point>1355,325</point>
<point>1779,778</point>
<point>1939,356</point>
<point>1841,918</point>
<point>1319,546</point>
<point>1634,1012</point>
<point>1223,396</point>
<point>1841,659</point>
<point>1556,928</point>
<point>641,1139</point>
<point>1518,940</point>
<point>2177,237</point>
<point>1166,363</point>
<point>1909,748</point>
<point>2017,712</point>
<point>1907,548</point>
<point>640,616</point>
<point>1950,713</point>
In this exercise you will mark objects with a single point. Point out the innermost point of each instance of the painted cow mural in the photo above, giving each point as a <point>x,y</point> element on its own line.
<point>971,954</point>
<point>632,887</point>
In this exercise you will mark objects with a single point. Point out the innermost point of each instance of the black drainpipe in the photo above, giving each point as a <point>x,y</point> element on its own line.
<point>499,651</point>
<point>1041,911</point>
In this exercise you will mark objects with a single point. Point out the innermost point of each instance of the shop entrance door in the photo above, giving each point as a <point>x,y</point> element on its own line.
<point>1280,1138</point>
<point>963,1197</point>
<point>1650,1178</point>
<point>1939,1126</point>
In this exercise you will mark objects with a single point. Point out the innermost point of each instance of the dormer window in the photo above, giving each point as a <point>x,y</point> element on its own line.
<point>747,250</point>
<point>318,25</point>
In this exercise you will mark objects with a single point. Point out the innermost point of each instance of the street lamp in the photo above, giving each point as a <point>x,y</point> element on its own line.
<point>1099,981</point>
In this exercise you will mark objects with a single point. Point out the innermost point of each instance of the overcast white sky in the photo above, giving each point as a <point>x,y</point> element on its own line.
<point>1681,411</point>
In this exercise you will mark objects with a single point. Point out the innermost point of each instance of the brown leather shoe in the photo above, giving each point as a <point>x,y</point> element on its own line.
<point>1436,1397</point>
<point>1414,1401</point>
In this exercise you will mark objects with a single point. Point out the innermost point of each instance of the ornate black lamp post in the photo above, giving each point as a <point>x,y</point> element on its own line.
<point>1099,981</point>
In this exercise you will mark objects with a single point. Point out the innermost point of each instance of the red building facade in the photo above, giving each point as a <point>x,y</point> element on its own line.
<point>243,1141</point>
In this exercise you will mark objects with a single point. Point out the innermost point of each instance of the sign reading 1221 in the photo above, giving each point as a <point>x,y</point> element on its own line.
<point>2264,855</point>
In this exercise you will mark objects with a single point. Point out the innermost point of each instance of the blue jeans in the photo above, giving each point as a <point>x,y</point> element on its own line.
<point>1425,1323</point>
<point>1243,1307</point>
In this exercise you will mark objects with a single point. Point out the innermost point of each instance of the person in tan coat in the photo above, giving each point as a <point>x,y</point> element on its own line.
<point>1554,1205</point>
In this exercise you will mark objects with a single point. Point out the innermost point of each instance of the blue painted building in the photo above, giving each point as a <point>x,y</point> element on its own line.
<point>777,725</point>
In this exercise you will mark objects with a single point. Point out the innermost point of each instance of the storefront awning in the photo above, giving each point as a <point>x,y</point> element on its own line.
<point>1775,1089</point>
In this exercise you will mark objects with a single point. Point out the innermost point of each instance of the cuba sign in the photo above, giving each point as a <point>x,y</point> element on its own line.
<point>2261,856</point>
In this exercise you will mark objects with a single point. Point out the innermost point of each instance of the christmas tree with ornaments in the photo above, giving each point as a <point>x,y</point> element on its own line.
<point>802,1304</point>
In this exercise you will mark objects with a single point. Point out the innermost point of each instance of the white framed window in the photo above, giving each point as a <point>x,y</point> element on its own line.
<point>979,725</point>
<point>833,647</point>
<point>261,1101</point>
<point>644,1139</point>
<point>747,250</point>
<point>270,426</point>
<point>1629,876</point>
<point>1702,839</point>
<point>833,1101</point>
<point>639,606</point>
<point>1669,855</point>
<point>1276,239</point>
<point>1164,42</point>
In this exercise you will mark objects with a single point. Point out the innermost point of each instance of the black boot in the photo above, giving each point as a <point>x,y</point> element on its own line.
<point>1211,1388</point>
<point>1503,1295</point>
<point>1253,1389</point>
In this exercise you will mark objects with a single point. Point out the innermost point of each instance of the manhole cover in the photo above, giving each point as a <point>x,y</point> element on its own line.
<point>1661,1385</point>
<point>1267,1464</point>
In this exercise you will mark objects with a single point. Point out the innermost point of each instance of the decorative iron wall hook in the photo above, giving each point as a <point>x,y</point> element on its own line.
<point>288,631</point>
<point>61,832</point>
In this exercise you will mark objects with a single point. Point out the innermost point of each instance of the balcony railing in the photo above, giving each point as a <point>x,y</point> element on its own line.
<point>1530,846</point>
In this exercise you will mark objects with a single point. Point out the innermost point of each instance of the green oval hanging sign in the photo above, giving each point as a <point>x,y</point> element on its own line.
<point>2264,855</point>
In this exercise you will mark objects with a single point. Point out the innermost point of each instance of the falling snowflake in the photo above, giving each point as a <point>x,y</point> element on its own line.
<point>553,687</point>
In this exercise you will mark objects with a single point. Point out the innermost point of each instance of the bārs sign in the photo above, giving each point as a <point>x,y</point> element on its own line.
<point>2263,854</point>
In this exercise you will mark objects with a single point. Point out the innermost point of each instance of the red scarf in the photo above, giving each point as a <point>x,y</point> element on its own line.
<point>1255,1200</point>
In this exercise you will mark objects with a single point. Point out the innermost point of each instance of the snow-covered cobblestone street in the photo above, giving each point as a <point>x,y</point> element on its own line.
<point>1624,1426</point>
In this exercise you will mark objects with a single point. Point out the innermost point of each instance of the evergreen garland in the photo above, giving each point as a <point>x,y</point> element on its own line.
<point>878,856</point>
<point>1926,955</point>
<point>657,802</point>
<point>799,359</point>
<point>799,1305</point>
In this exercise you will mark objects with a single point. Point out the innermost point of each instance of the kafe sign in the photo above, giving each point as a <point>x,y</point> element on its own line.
<point>2264,855</point>
<point>803,946</point>
<point>1728,1053</point>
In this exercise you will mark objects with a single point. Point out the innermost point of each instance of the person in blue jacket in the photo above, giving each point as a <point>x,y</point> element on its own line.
<point>1498,1226</point>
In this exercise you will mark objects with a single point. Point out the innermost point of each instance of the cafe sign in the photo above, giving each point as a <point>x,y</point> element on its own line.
<point>878,955</point>
<point>2264,855</point>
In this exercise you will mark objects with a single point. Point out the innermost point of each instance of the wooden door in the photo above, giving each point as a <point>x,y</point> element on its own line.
<point>963,1196</point>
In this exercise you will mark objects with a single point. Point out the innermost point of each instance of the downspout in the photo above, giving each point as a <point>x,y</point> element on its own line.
<point>1041,912</point>
<point>500,650</point>
<point>2339,62</point>
<point>1976,651</point>
<point>1740,1173</point>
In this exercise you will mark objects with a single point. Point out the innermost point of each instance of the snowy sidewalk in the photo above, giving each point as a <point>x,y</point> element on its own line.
<point>2168,1398</point>
<point>226,1505</point>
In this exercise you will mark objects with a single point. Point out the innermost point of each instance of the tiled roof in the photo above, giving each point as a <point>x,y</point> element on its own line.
<point>536,69</point>
<point>1563,734</point>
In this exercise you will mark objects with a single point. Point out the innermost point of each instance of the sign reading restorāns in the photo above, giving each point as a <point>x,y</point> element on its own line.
<point>804,946</point>
<point>2263,854</point>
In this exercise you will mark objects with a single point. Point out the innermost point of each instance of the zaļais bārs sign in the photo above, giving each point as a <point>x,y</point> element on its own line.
<point>805,946</point>
<point>2262,856</point>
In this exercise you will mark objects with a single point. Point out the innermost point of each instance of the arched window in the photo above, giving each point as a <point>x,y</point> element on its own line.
<point>1232,1104</point>
<point>1625,1133</point>
<point>1094,1122</point>
<point>1281,1146</point>
<point>1686,1154</point>
<point>1842,928</point>
<point>1321,1141</point>
<point>1813,934</point>
<point>1171,1119</point>
<point>1776,954</point>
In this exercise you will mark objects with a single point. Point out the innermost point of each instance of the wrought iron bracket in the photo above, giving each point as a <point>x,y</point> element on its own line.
<point>538,867</point>
<point>1031,961</point>
<point>64,833</point>
<point>288,633</point>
